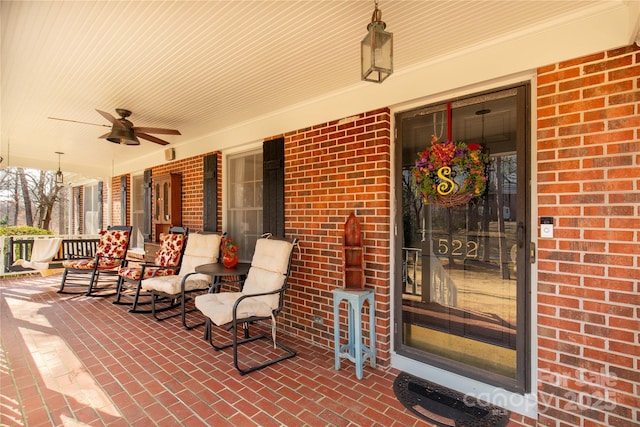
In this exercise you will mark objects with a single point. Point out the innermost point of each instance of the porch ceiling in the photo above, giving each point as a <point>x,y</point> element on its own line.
<point>206,66</point>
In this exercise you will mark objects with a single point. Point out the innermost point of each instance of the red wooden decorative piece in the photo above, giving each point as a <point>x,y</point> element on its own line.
<point>352,255</point>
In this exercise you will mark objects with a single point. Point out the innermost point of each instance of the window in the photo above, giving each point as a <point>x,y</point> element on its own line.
<point>92,209</point>
<point>244,201</point>
<point>137,211</point>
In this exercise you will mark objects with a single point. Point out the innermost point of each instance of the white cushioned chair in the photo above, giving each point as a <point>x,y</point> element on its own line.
<point>261,298</point>
<point>174,291</point>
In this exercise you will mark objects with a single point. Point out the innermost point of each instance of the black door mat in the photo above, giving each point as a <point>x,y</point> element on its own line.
<point>445,407</point>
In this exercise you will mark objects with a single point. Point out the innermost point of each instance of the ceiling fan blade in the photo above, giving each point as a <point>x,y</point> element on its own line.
<point>105,135</point>
<point>158,130</point>
<point>110,118</point>
<point>77,121</point>
<point>152,138</point>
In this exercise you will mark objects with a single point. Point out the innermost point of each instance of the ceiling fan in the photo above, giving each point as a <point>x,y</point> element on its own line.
<point>124,132</point>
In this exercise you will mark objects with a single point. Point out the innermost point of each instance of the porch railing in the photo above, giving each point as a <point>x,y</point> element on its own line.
<point>443,288</point>
<point>21,246</point>
<point>412,271</point>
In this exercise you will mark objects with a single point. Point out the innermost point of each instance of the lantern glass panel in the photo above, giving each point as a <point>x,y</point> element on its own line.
<point>377,54</point>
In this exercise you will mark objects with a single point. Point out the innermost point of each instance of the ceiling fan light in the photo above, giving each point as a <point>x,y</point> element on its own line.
<point>133,140</point>
<point>123,135</point>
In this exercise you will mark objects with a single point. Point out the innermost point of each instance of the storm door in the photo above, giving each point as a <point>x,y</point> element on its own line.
<point>461,299</point>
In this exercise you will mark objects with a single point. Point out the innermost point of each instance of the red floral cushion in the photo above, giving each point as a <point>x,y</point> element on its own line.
<point>168,256</point>
<point>112,248</point>
<point>133,273</point>
<point>170,249</point>
<point>88,264</point>
<point>113,243</point>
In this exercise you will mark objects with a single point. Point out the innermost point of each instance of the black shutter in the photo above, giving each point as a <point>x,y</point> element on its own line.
<point>210,192</point>
<point>79,226</point>
<point>146,222</point>
<point>123,200</point>
<point>273,187</point>
<point>100,187</point>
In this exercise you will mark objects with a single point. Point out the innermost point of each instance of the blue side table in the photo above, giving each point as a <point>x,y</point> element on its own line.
<point>354,350</point>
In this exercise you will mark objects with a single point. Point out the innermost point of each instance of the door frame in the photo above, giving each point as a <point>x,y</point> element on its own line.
<point>519,397</point>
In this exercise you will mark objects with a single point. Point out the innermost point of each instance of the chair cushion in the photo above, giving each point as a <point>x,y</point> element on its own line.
<point>268,272</point>
<point>172,284</point>
<point>272,255</point>
<point>89,264</point>
<point>259,281</point>
<point>113,243</point>
<point>134,273</point>
<point>201,249</point>
<point>268,269</point>
<point>170,249</point>
<point>219,307</point>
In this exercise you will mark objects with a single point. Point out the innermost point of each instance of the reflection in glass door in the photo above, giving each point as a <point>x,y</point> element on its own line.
<point>462,302</point>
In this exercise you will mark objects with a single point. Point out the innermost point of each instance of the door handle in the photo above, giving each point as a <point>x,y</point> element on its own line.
<point>520,235</point>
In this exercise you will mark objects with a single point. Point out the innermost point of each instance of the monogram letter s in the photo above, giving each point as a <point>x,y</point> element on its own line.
<point>446,186</point>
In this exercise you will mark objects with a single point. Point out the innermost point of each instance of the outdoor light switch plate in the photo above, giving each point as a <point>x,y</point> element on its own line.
<point>546,227</point>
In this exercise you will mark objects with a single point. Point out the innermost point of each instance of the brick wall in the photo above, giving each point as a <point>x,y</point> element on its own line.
<point>192,173</point>
<point>588,163</point>
<point>116,202</point>
<point>588,148</point>
<point>331,170</point>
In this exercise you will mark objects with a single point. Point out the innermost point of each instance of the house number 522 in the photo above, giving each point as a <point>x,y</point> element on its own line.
<point>468,249</point>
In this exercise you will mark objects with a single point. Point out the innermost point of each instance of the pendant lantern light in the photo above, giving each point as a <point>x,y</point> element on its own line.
<point>377,50</point>
<point>59,175</point>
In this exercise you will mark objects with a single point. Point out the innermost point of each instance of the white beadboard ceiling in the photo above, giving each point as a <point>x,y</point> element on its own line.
<point>204,66</point>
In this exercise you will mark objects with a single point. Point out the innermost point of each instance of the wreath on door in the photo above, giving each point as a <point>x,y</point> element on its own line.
<point>450,173</point>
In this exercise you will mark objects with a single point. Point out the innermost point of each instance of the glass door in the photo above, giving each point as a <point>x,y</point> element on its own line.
<point>462,300</point>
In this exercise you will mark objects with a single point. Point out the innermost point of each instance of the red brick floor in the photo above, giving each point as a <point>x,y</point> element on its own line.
<point>70,360</point>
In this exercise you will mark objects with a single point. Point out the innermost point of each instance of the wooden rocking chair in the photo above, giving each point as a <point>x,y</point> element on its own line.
<point>167,263</point>
<point>98,273</point>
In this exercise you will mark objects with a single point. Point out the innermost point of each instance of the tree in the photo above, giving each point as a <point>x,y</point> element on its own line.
<point>411,208</point>
<point>33,191</point>
<point>9,196</point>
<point>28,213</point>
<point>47,195</point>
